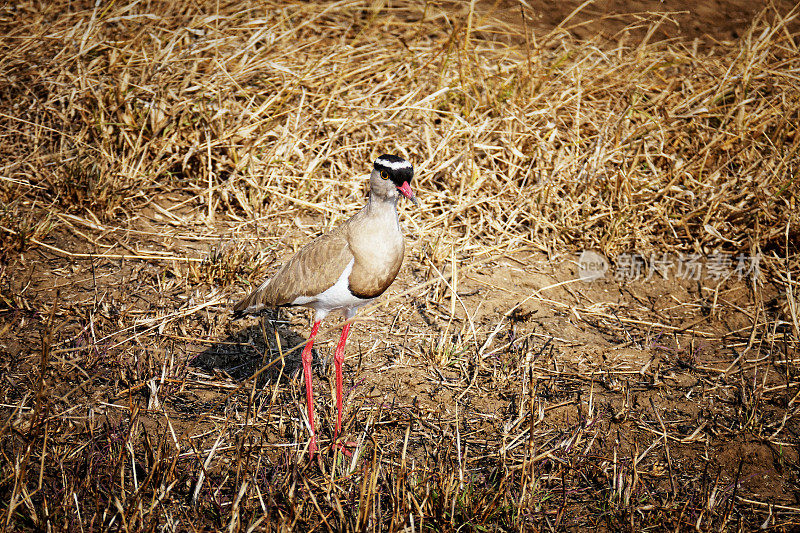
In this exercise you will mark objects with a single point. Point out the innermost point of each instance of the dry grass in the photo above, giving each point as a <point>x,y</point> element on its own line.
<point>157,158</point>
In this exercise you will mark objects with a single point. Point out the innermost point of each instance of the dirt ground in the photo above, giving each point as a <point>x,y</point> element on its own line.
<point>639,360</point>
<point>611,20</point>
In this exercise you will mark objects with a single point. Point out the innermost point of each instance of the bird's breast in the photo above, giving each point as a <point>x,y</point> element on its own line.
<point>377,262</point>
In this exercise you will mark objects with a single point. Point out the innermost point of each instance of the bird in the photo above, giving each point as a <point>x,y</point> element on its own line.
<point>342,270</point>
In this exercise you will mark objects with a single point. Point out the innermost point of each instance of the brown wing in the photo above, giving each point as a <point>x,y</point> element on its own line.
<point>312,270</point>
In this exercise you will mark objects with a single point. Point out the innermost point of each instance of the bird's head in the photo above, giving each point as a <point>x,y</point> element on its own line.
<point>390,174</point>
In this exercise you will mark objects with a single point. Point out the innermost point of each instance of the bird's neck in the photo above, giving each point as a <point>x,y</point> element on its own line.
<point>381,204</point>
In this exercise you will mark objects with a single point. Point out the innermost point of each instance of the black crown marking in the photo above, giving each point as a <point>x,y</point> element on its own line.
<point>399,170</point>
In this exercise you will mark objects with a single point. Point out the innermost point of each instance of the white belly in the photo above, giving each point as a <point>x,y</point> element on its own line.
<point>337,297</point>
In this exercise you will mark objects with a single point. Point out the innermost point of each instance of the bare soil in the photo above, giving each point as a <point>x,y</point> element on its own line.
<point>700,23</point>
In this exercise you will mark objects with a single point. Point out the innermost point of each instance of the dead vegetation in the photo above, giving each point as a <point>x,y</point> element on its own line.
<point>158,158</point>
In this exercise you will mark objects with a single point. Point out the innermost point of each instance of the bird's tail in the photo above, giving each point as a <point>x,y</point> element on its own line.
<point>250,305</point>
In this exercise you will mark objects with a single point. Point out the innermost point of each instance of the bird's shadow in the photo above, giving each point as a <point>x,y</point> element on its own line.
<point>248,351</point>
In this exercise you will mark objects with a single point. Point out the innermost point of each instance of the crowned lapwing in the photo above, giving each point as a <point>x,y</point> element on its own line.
<point>344,269</point>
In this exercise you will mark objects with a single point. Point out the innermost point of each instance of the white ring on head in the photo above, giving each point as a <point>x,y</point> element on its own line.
<point>394,165</point>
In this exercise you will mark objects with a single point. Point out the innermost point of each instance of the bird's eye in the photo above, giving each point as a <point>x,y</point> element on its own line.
<point>384,174</point>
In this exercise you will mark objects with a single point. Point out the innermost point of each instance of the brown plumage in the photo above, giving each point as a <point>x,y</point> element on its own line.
<point>371,240</point>
<point>344,269</point>
<point>303,274</point>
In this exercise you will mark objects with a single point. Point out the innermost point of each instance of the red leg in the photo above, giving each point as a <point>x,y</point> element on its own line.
<point>307,358</point>
<point>338,359</point>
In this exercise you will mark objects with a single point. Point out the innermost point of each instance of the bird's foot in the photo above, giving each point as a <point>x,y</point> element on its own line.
<point>343,447</point>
